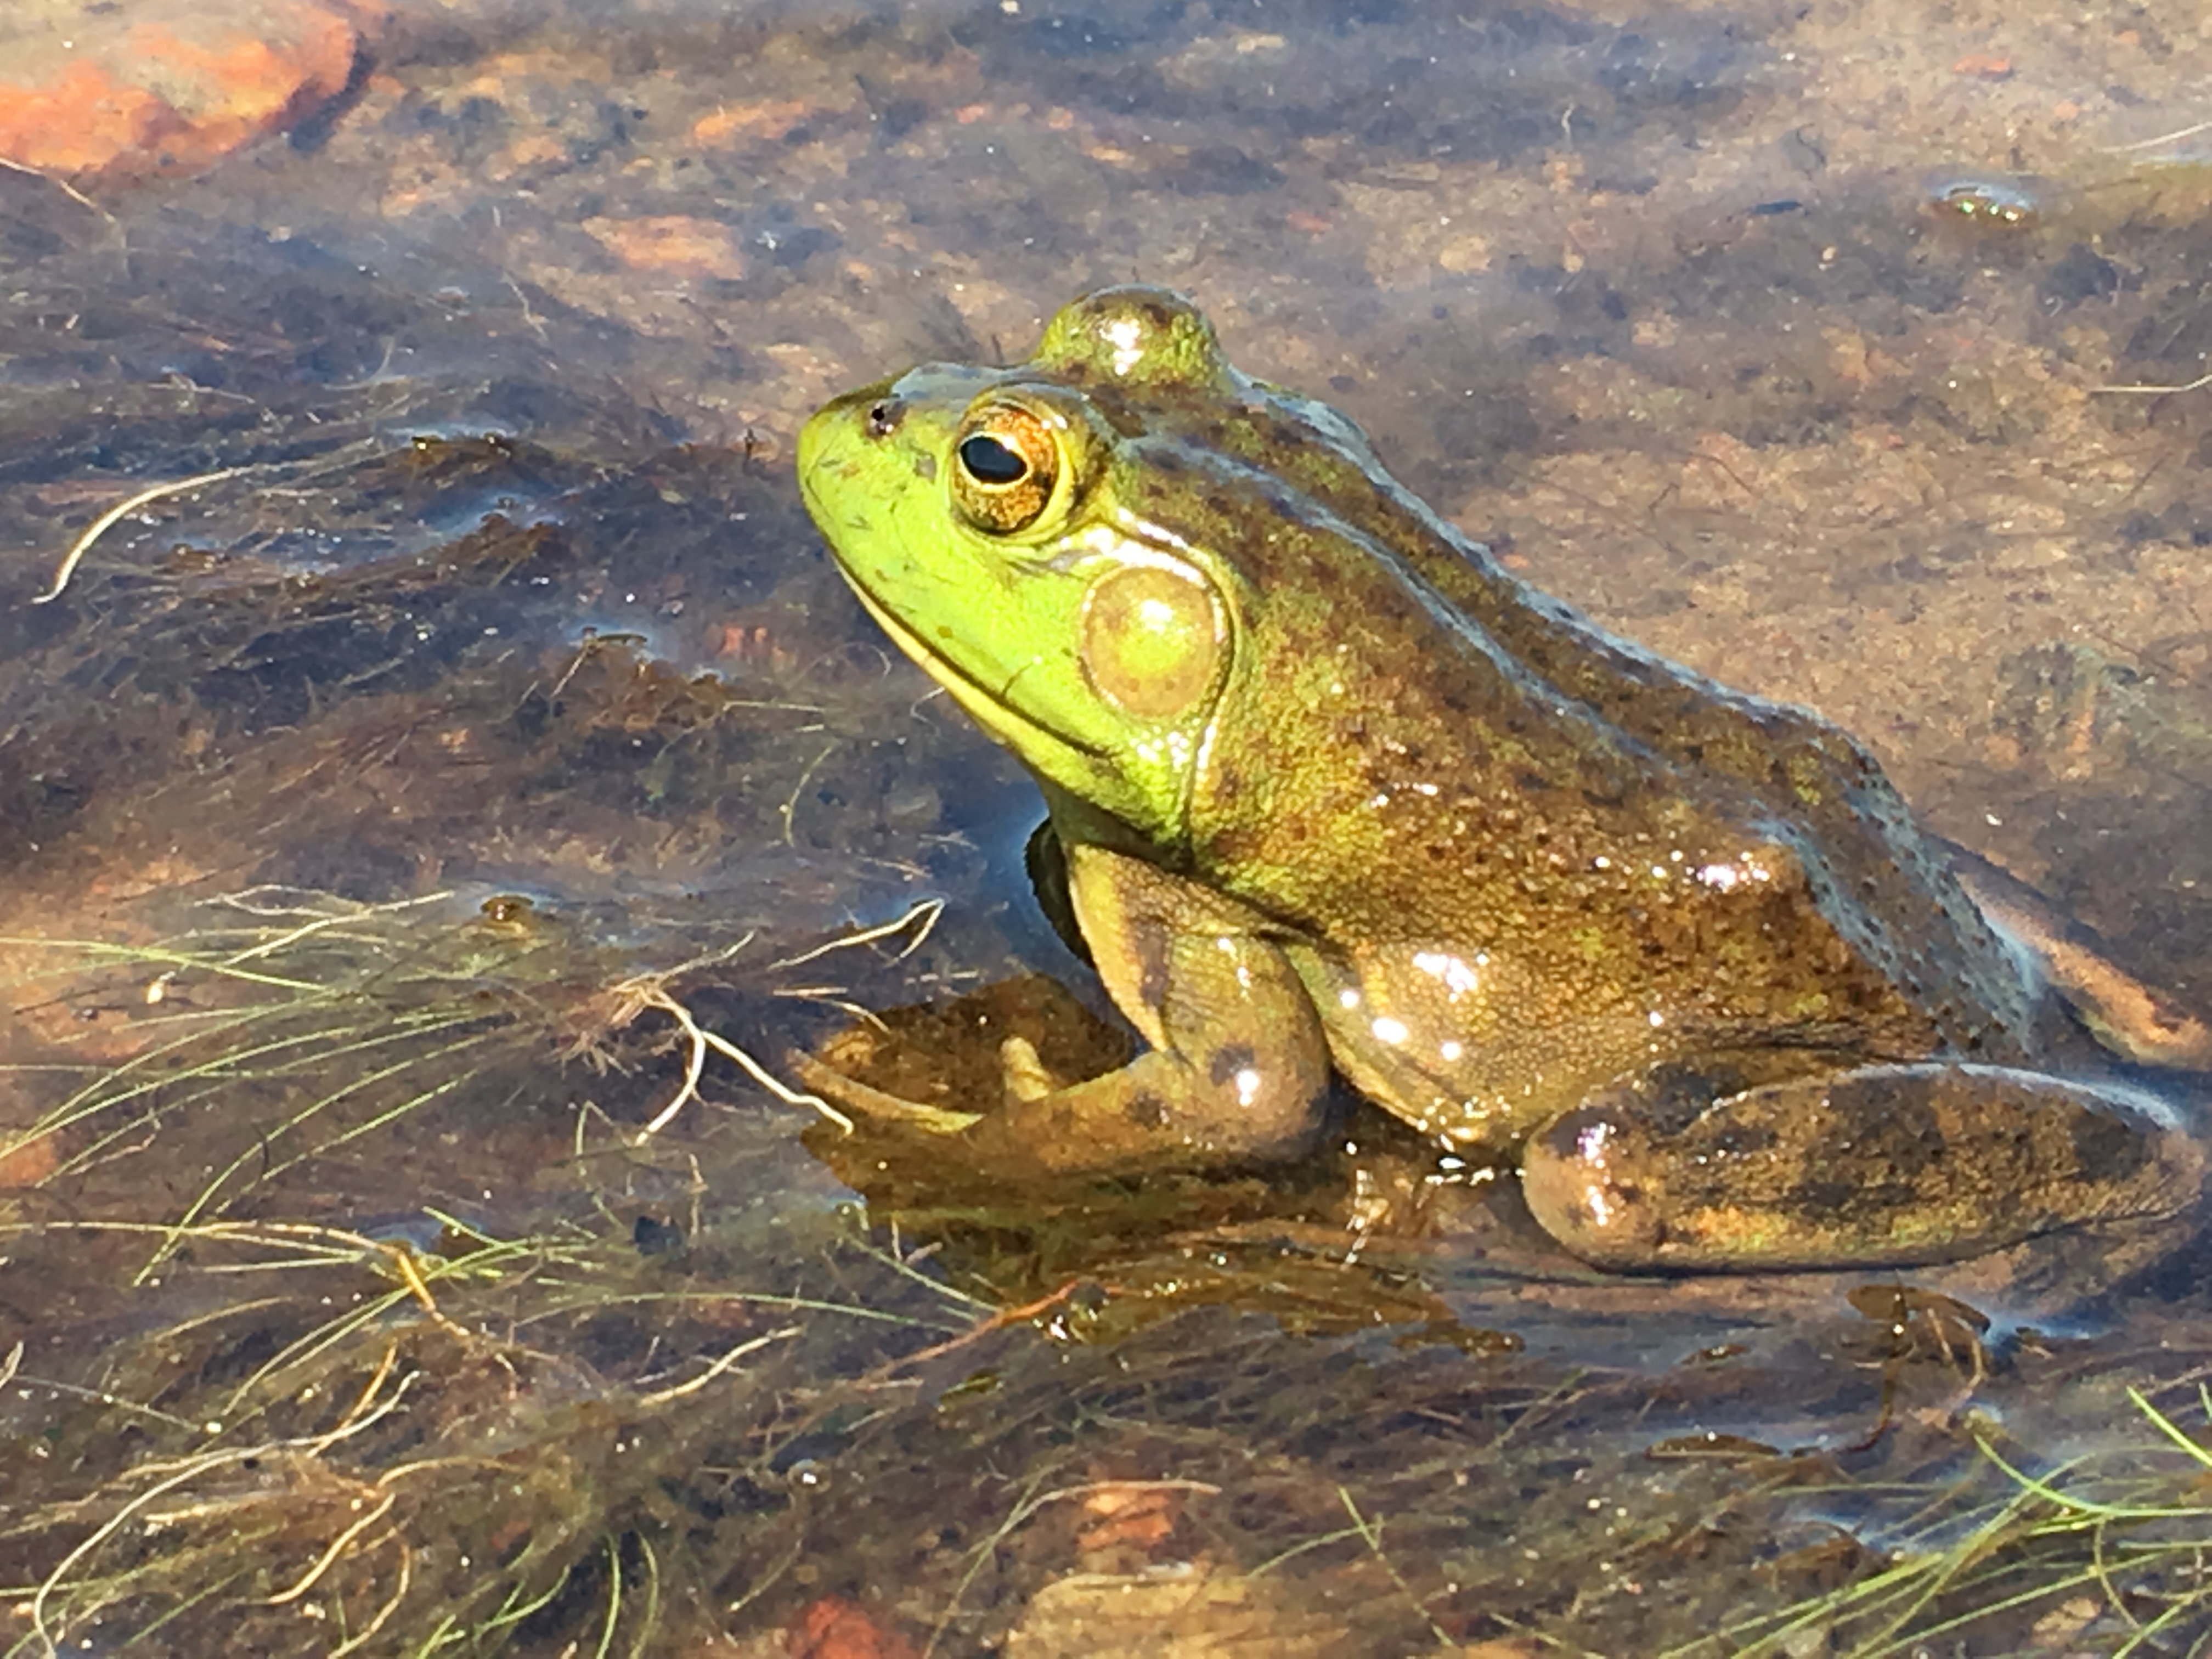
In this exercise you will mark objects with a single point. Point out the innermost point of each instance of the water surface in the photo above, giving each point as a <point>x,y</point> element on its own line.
<point>373,812</point>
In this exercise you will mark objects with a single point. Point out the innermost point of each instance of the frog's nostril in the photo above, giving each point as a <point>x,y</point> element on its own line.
<point>884,417</point>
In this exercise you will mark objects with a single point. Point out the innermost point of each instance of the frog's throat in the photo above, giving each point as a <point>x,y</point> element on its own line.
<point>985,705</point>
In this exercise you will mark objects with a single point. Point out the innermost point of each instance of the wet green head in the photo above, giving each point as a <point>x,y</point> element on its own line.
<point>986,518</point>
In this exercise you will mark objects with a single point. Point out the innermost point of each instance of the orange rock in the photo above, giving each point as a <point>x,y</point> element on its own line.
<point>1135,1516</point>
<point>81,123</point>
<point>23,1163</point>
<point>1984,66</point>
<point>166,87</point>
<point>834,1628</point>
<point>27,1165</point>
<point>681,246</point>
<point>740,123</point>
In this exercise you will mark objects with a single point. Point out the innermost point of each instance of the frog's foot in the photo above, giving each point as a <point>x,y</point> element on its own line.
<point>1886,1165</point>
<point>874,1105</point>
<point>1026,1077</point>
<point>1158,1112</point>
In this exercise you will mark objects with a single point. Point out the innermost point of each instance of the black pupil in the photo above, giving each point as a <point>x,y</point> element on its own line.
<point>988,461</point>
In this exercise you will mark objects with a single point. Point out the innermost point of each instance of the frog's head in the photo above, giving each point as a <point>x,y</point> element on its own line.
<point>984,516</point>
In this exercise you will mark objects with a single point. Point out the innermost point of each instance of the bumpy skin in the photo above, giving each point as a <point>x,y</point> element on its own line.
<point>1332,788</point>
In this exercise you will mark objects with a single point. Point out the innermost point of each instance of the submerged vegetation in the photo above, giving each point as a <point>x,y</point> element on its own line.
<point>2106,1550</point>
<point>440,778</point>
<point>414,1430</point>
<point>602,1390</point>
<point>410,1247</point>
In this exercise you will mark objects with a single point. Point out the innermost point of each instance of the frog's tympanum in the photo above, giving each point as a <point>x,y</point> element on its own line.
<point>1330,788</point>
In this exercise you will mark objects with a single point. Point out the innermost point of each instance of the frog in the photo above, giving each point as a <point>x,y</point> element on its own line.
<point>1331,794</point>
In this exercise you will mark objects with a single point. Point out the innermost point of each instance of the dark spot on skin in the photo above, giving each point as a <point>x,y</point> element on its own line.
<point>1568,1136</point>
<point>2108,1148</point>
<point>1912,1139</point>
<point>1675,1094</point>
<point>1823,1198</point>
<point>1148,1110</point>
<point>1227,1060</point>
<point>1152,973</point>
<point>925,468</point>
<point>1746,1141</point>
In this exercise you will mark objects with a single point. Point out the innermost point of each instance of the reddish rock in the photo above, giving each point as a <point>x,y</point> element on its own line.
<point>734,124</point>
<point>834,1628</point>
<point>1983,66</point>
<point>167,86</point>
<point>30,1162</point>
<point>680,246</point>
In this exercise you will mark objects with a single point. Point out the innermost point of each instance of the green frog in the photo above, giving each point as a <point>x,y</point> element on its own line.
<point>1332,792</point>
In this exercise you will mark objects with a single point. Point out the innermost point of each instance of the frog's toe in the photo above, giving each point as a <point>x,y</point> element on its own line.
<point>1026,1075</point>
<point>874,1104</point>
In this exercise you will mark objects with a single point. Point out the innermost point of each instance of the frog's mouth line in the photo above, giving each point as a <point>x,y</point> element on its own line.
<point>990,708</point>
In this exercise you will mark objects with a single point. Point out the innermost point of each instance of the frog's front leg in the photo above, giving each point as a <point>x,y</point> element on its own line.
<point>1237,1067</point>
<point>1881,1166</point>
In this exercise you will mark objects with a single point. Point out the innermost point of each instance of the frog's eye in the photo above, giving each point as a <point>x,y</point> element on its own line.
<point>1006,465</point>
<point>990,463</point>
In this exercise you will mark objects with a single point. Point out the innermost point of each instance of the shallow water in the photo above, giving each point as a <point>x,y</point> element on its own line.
<point>373,811</point>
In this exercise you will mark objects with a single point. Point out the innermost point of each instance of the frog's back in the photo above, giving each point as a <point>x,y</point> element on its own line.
<point>1473,765</point>
<point>1417,769</point>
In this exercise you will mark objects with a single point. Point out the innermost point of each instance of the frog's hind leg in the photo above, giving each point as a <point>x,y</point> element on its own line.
<point>1880,1166</point>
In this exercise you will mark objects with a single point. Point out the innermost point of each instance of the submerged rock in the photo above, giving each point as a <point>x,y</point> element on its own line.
<point>169,87</point>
